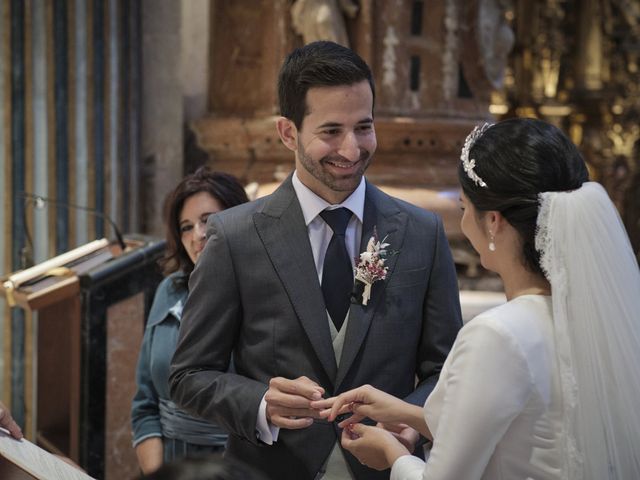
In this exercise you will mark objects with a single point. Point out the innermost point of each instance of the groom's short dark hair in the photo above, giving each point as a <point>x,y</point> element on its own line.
<point>317,64</point>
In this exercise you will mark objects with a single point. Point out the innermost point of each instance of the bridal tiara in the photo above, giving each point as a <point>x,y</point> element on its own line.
<point>469,165</point>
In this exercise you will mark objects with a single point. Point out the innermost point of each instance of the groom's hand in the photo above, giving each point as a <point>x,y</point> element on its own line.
<point>406,435</point>
<point>289,402</point>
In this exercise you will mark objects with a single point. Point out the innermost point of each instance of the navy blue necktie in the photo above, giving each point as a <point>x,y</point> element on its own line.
<point>337,272</point>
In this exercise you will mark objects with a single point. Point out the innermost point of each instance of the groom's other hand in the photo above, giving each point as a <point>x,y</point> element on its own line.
<point>406,435</point>
<point>289,402</point>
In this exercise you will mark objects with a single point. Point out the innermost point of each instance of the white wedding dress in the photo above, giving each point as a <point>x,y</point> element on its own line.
<point>496,412</point>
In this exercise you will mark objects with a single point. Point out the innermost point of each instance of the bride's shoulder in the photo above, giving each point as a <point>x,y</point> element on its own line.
<point>526,306</point>
<point>515,317</point>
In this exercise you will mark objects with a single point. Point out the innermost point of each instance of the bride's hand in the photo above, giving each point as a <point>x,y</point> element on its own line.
<point>374,447</point>
<point>364,401</point>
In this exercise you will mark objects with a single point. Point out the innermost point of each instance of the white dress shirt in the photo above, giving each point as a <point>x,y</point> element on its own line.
<point>320,234</point>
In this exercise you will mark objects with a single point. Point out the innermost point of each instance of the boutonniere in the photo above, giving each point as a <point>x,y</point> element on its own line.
<point>371,265</point>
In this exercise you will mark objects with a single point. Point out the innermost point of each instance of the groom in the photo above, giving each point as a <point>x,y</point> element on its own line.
<point>273,287</point>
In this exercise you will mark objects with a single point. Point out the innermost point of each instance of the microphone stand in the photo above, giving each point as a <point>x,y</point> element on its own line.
<point>39,201</point>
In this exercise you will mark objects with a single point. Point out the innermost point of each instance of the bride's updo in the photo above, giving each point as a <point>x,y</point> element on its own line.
<point>516,160</point>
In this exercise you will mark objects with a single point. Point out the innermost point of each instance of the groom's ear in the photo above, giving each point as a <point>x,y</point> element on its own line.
<point>288,133</point>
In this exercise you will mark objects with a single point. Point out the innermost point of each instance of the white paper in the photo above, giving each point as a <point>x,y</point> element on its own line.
<point>36,461</point>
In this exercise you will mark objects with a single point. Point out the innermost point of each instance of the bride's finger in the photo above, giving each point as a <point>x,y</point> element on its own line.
<point>347,439</point>
<point>340,405</point>
<point>355,395</point>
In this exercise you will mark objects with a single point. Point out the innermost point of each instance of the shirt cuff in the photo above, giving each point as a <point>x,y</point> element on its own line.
<point>266,432</point>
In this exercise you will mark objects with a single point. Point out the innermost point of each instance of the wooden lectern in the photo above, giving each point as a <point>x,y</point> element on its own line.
<point>89,308</point>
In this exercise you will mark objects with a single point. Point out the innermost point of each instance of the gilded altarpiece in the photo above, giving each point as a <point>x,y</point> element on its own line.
<point>576,63</point>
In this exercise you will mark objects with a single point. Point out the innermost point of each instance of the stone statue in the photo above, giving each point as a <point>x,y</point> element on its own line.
<point>322,19</point>
<point>496,39</point>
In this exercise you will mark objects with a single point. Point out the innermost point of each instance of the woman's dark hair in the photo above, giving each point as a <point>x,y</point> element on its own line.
<point>317,64</point>
<point>518,159</point>
<point>223,187</point>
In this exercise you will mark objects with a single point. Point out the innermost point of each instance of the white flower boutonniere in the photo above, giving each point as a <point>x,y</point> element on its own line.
<point>371,266</point>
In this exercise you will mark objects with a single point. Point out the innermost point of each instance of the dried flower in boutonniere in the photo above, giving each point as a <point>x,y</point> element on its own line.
<point>371,265</point>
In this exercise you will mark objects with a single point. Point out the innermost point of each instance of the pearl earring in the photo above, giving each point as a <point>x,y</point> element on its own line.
<point>492,245</point>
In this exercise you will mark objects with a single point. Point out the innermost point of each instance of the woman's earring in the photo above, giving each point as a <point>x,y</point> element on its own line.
<point>492,245</point>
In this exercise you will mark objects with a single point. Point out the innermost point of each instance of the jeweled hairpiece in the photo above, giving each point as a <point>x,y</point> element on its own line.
<point>469,165</point>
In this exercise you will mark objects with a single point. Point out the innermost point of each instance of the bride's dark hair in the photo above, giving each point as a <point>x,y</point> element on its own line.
<point>518,159</point>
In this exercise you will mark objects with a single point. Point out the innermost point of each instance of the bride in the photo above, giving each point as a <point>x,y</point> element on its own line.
<point>545,386</point>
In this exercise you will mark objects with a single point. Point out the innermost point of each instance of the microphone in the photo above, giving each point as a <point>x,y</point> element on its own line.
<point>39,201</point>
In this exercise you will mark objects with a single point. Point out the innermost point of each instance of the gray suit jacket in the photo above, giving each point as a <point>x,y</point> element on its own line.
<point>254,294</point>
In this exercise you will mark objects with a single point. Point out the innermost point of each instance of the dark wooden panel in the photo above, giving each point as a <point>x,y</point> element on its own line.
<point>8,471</point>
<point>58,398</point>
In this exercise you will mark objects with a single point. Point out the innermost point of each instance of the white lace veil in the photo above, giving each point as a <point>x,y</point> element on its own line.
<point>595,285</point>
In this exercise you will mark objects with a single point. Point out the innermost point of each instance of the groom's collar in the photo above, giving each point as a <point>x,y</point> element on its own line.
<point>311,204</point>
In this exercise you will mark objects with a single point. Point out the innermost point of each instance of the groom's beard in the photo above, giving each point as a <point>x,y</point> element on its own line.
<point>338,183</point>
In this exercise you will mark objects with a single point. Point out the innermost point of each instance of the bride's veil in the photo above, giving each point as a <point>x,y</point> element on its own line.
<point>595,285</point>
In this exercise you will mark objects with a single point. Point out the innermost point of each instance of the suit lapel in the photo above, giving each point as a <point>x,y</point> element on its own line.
<point>383,216</point>
<point>283,232</point>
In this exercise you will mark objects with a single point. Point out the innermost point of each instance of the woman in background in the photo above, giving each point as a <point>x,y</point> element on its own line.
<point>161,431</point>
